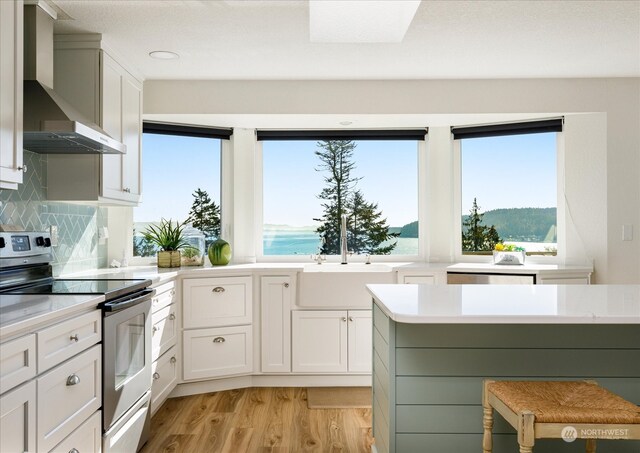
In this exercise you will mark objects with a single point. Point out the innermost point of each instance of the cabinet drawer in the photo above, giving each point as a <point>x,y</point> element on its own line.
<point>165,295</point>
<point>164,331</point>
<point>212,302</point>
<point>18,419</point>
<point>67,396</point>
<point>419,279</point>
<point>17,362</point>
<point>66,339</point>
<point>86,438</point>
<point>217,352</point>
<point>165,377</point>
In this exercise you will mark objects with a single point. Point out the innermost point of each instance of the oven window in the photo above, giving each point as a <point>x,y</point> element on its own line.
<point>129,349</point>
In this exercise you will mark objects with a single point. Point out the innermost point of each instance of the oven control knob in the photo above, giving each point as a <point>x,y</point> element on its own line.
<point>47,242</point>
<point>2,243</point>
<point>40,241</point>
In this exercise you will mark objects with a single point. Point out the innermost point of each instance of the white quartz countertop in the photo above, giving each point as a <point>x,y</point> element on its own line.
<point>509,304</point>
<point>21,312</point>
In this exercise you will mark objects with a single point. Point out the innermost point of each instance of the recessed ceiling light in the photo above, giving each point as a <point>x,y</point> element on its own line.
<point>164,55</point>
<point>346,123</point>
<point>360,21</point>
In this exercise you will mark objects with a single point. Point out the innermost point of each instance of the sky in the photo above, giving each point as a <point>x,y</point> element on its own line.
<point>388,169</point>
<point>501,172</point>
<point>517,171</point>
<point>172,169</point>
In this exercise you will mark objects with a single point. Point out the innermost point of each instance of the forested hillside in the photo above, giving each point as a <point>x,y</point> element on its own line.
<point>516,224</point>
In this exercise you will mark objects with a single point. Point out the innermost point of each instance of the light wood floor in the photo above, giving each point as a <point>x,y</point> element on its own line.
<point>257,420</point>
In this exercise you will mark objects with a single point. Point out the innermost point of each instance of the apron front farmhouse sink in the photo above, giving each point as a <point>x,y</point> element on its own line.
<point>340,286</point>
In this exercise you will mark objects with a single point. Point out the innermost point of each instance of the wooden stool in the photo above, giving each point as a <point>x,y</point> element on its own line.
<point>566,410</point>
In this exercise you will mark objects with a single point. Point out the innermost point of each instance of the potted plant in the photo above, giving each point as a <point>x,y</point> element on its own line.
<point>168,237</point>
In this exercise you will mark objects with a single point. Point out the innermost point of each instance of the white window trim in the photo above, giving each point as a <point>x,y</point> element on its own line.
<point>422,216</point>
<point>459,257</point>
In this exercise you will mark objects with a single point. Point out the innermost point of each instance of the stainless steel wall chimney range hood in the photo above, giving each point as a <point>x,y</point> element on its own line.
<point>51,125</point>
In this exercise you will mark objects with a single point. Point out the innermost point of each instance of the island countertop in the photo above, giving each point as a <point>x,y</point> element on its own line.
<point>509,304</point>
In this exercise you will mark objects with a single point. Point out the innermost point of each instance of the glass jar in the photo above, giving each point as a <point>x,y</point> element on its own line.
<point>193,253</point>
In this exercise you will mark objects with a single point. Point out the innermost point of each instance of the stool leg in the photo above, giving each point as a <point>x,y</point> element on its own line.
<point>487,420</point>
<point>526,432</point>
<point>487,423</point>
<point>591,446</point>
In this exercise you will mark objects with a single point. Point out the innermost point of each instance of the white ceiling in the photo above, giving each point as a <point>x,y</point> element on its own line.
<point>245,39</point>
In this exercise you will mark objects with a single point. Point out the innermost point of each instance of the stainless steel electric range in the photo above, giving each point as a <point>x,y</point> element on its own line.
<point>25,268</point>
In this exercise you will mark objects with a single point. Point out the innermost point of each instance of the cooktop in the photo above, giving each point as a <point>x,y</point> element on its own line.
<point>109,287</point>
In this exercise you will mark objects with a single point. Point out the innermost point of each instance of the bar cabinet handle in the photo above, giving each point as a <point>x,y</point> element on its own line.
<point>74,337</point>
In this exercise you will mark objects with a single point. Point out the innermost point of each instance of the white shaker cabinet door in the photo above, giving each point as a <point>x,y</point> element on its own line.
<point>360,341</point>
<point>11,41</point>
<point>18,419</point>
<point>275,304</point>
<point>319,341</point>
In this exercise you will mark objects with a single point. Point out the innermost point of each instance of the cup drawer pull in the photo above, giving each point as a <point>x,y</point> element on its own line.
<point>74,379</point>
<point>218,340</point>
<point>74,450</point>
<point>218,289</point>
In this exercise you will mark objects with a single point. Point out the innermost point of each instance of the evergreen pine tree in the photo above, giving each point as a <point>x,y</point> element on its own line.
<point>477,237</point>
<point>366,228</point>
<point>205,215</point>
<point>335,159</point>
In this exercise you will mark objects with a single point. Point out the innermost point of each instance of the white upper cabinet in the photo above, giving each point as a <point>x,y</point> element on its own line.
<point>11,43</point>
<point>99,87</point>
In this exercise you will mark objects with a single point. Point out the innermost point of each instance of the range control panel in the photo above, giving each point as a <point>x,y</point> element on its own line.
<point>16,244</point>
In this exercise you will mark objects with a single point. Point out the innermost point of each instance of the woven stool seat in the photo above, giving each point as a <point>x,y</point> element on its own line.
<point>566,402</point>
<point>567,410</point>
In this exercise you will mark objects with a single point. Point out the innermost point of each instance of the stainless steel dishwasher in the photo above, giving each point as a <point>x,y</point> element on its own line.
<point>459,278</point>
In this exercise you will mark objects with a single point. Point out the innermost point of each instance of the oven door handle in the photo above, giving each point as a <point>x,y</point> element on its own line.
<point>128,301</point>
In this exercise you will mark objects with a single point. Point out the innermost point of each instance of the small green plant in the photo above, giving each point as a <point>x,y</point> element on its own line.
<point>166,236</point>
<point>190,252</point>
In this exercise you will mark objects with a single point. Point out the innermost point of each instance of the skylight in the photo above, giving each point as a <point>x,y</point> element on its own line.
<point>360,21</point>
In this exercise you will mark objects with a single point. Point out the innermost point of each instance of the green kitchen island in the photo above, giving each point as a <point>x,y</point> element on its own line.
<point>433,346</point>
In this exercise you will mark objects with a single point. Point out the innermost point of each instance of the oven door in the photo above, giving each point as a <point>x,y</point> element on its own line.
<point>126,367</point>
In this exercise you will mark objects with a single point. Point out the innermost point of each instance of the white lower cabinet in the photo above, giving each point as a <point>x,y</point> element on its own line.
<point>216,301</point>
<point>331,341</point>
<point>165,378</point>
<point>360,337</point>
<point>217,352</point>
<point>87,438</point>
<point>17,362</point>
<point>164,331</point>
<point>275,303</point>
<point>419,279</point>
<point>18,419</point>
<point>56,408</point>
<point>68,395</point>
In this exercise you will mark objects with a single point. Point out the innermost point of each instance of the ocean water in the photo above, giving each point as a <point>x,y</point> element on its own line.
<point>306,242</point>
